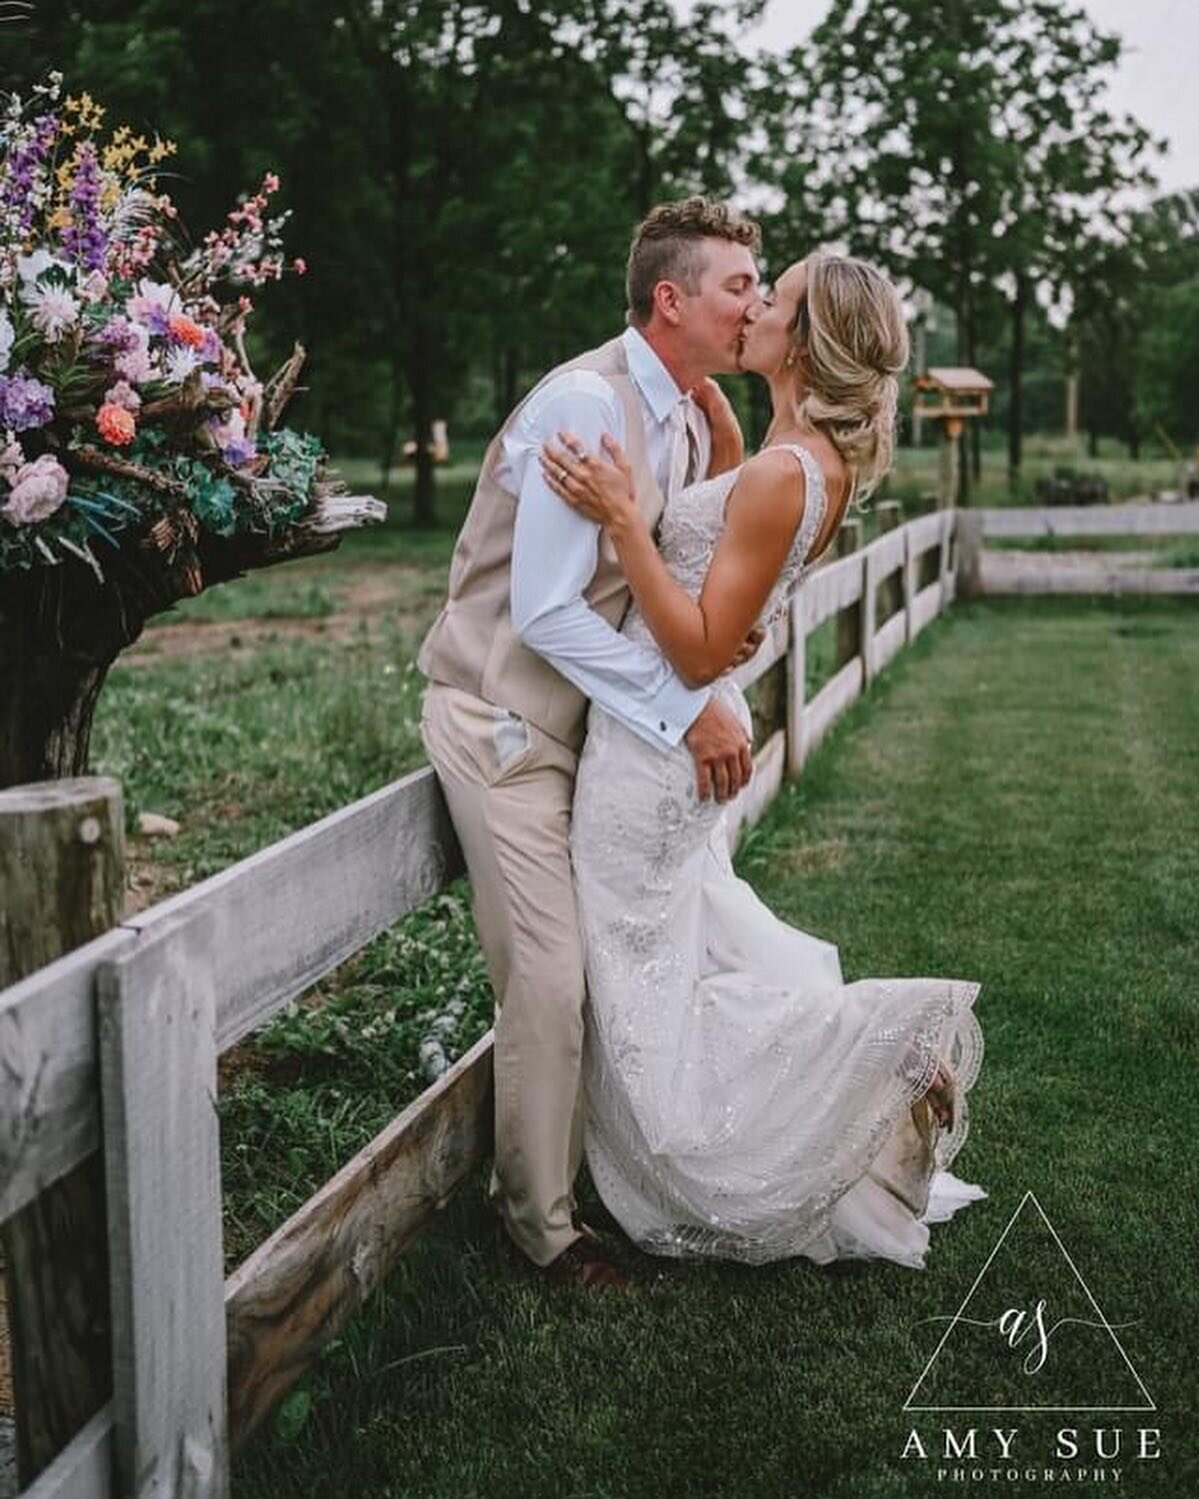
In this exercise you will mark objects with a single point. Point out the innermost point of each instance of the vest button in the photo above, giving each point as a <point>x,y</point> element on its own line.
<point>662,725</point>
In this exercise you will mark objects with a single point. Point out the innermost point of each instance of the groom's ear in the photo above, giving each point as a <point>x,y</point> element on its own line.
<point>668,302</point>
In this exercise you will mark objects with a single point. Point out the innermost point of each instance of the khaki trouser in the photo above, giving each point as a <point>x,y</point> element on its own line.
<point>509,789</point>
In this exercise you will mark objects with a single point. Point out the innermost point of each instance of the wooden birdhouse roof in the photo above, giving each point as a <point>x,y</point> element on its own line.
<point>955,380</point>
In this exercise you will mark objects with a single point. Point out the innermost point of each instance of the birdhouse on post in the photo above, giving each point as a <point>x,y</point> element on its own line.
<point>953,396</point>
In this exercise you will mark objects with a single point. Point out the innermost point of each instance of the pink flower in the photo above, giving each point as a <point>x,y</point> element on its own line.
<point>299,265</point>
<point>11,460</point>
<point>39,489</point>
<point>122,394</point>
<point>115,424</point>
<point>136,365</point>
<point>95,288</point>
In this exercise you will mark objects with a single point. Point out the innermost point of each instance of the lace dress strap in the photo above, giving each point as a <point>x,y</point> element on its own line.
<point>815,502</point>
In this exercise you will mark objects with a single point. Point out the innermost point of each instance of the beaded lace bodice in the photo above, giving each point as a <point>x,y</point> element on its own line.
<point>694,519</point>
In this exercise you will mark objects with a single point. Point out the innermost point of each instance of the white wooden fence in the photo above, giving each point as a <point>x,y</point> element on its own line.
<point>125,1032</point>
<point>989,571</point>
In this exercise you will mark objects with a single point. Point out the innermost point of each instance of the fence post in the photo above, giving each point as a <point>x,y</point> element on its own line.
<point>868,612</point>
<point>944,572</point>
<point>970,543</point>
<point>62,870</point>
<point>849,621</point>
<point>909,586</point>
<point>796,686</point>
<point>890,518</point>
<point>157,1008</point>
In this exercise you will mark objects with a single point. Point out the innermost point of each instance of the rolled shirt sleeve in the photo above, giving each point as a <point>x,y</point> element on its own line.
<point>554,557</point>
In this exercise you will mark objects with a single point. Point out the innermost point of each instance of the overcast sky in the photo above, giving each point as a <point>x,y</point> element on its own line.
<point>1158,79</point>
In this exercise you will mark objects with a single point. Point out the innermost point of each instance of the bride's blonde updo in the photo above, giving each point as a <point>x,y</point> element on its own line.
<point>852,345</point>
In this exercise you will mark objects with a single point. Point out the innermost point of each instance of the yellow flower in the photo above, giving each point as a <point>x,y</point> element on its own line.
<point>66,175</point>
<point>59,219</point>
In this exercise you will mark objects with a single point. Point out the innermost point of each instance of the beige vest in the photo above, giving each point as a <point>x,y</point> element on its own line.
<point>472,644</point>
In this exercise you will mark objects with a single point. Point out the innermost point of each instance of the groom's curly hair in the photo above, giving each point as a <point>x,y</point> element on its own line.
<point>668,246</point>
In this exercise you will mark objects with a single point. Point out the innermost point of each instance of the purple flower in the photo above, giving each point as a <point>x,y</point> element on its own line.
<point>25,164</point>
<point>238,452</point>
<point>84,240</point>
<point>24,402</point>
<point>119,334</point>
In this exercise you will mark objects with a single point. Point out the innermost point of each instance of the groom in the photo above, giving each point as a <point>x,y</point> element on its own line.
<point>528,634</point>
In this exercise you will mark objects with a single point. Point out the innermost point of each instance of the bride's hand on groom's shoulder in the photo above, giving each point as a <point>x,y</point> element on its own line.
<point>728,442</point>
<point>600,488</point>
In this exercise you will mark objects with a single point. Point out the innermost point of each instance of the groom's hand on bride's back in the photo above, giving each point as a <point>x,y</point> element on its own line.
<point>721,751</point>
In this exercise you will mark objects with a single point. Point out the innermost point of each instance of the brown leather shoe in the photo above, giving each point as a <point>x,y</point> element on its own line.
<point>584,1263</point>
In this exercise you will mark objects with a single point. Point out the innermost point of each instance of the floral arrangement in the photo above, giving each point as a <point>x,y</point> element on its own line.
<point>128,405</point>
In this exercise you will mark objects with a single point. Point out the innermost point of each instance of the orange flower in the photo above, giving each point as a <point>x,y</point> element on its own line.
<point>116,425</point>
<point>186,330</point>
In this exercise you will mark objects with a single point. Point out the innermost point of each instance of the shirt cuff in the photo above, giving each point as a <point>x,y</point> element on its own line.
<point>673,709</point>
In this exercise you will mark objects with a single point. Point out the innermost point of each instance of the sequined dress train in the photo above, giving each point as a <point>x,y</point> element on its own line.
<point>742,1100</point>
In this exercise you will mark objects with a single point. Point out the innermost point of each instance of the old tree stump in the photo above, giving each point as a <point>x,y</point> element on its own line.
<point>62,627</point>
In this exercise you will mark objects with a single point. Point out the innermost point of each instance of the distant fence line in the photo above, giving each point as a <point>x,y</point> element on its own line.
<point>126,1030</point>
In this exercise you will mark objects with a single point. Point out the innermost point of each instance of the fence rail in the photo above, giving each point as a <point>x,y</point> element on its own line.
<point>986,570</point>
<point>128,1027</point>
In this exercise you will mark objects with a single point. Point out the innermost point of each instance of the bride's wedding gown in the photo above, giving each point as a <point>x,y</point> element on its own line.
<point>742,1100</point>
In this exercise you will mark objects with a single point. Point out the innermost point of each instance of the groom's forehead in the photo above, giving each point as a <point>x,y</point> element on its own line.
<point>726,260</point>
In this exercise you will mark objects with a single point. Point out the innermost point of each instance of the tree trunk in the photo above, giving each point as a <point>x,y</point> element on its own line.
<point>61,628</point>
<point>511,381</point>
<point>395,406</point>
<point>1093,442</point>
<point>60,631</point>
<point>421,386</point>
<point>965,355</point>
<point>1015,428</point>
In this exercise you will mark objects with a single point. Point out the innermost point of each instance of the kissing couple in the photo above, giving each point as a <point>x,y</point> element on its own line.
<point>734,1096</point>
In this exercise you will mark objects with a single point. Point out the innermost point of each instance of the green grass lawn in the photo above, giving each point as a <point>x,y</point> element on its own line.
<point>1014,802</point>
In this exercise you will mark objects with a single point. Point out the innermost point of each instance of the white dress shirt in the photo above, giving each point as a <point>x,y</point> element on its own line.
<point>555,550</point>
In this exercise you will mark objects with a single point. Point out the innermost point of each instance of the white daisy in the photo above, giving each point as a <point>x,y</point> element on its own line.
<point>179,363</point>
<point>52,310</point>
<point>7,335</point>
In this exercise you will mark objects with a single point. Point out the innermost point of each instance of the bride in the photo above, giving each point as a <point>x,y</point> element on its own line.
<point>742,1100</point>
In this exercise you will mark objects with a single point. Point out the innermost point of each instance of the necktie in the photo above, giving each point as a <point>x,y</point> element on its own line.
<point>692,473</point>
<point>684,449</point>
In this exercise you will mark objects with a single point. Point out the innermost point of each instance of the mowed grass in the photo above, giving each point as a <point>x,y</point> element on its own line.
<point>1014,802</point>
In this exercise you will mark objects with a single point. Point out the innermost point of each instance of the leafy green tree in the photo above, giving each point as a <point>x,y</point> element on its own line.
<point>965,146</point>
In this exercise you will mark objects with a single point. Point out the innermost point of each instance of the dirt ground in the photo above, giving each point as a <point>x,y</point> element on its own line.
<point>373,599</point>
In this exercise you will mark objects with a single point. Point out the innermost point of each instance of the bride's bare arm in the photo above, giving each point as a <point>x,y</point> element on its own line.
<point>700,637</point>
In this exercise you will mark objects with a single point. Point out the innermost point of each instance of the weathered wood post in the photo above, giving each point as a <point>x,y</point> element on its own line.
<point>970,543</point>
<point>62,871</point>
<point>945,575</point>
<point>868,613</point>
<point>797,665</point>
<point>849,621</point>
<point>910,587</point>
<point>890,518</point>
